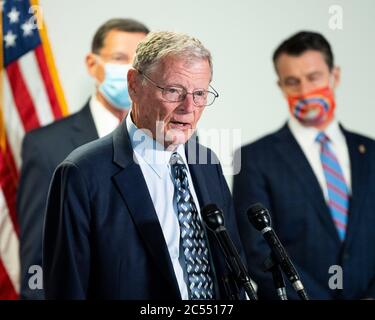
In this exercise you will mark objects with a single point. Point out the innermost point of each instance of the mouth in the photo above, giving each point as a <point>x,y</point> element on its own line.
<point>179,125</point>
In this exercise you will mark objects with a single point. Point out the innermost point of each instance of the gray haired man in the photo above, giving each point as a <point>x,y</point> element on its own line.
<point>123,216</point>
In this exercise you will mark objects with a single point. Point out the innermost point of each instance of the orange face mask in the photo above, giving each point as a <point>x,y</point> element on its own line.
<point>313,108</point>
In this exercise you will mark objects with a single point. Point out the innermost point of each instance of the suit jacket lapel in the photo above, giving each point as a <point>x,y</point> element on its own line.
<point>84,126</point>
<point>133,188</point>
<point>192,154</point>
<point>290,151</point>
<point>197,172</point>
<point>359,167</point>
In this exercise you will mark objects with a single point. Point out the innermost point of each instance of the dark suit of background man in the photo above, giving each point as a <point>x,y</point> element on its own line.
<point>319,190</point>
<point>113,48</point>
<point>123,214</point>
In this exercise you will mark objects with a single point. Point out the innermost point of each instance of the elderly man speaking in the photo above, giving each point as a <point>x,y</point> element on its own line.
<point>123,217</point>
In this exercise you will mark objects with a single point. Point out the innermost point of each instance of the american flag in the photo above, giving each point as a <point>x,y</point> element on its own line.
<point>30,97</point>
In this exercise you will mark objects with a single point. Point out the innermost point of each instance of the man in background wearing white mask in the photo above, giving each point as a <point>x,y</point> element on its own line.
<point>316,178</point>
<point>112,51</point>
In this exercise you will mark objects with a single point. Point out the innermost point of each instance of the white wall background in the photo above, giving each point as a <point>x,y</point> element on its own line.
<point>241,35</point>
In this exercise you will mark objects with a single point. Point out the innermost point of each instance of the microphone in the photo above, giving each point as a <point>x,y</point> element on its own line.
<point>261,220</point>
<point>214,220</point>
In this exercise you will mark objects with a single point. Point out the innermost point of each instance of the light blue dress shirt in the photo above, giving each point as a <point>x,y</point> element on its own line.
<point>153,160</point>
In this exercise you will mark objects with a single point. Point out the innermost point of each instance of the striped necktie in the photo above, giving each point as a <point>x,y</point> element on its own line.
<point>192,235</point>
<point>338,193</point>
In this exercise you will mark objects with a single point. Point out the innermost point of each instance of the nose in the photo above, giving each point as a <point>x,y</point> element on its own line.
<point>188,105</point>
<point>305,87</point>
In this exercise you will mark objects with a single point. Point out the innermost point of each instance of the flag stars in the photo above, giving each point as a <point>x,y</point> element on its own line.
<point>10,39</point>
<point>14,15</point>
<point>27,28</point>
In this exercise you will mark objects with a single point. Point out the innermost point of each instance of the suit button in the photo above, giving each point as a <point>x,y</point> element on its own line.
<point>346,255</point>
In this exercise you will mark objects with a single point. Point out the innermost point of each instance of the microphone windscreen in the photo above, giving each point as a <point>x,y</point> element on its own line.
<point>213,216</point>
<point>258,216</point>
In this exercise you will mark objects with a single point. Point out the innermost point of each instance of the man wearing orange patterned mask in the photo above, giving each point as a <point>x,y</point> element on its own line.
<point>316,178</point>
<point>308,81</point>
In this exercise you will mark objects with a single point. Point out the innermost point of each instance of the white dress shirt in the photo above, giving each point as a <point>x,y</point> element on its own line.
<point>104,120</point>
<point>153,160</point>
<point>306,136</point>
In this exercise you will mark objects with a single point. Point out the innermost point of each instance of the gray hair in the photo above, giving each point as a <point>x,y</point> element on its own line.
<point>158,45</point>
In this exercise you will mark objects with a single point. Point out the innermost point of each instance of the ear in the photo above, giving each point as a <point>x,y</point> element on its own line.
<point>281,88</point>
<point>336,72</point>
<point>95,67</point>
<point>133,83</point>
<point>278,82</point>
<point>91,64</point>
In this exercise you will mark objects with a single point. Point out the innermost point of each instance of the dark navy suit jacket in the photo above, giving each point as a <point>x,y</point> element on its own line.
<point>102,235</point>
<point>276,173</point>
<point>42,151</point>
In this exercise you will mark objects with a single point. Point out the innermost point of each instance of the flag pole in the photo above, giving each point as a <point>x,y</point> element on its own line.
<point>49,57</point>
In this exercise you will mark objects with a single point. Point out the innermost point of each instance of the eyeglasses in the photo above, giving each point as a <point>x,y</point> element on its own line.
<point>201,98</point>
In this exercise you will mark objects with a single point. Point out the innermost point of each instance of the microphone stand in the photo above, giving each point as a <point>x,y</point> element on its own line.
<point>231,287</point>
<point>260,218</point>
<point>214,220</point>
<point>236,266</point>
<point>278,280</point>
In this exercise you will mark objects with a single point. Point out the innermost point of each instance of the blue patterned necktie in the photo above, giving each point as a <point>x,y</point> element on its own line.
<point>338,192</point>
<point>192,235</point>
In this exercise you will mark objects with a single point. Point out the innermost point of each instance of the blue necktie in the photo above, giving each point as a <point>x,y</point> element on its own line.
<point>192,235</point>
<point>338,192</point>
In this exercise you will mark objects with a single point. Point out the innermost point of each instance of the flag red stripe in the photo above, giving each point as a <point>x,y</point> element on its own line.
<point>47,79</point>
<point>7,290</point>
<point>8,183</point>
<point>22,98</point>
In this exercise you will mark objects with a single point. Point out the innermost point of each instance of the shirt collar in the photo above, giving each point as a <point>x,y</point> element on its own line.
<point>309,134</point>
<point>105,122</point>
<point>334,133</point>
<point>151,151</point>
